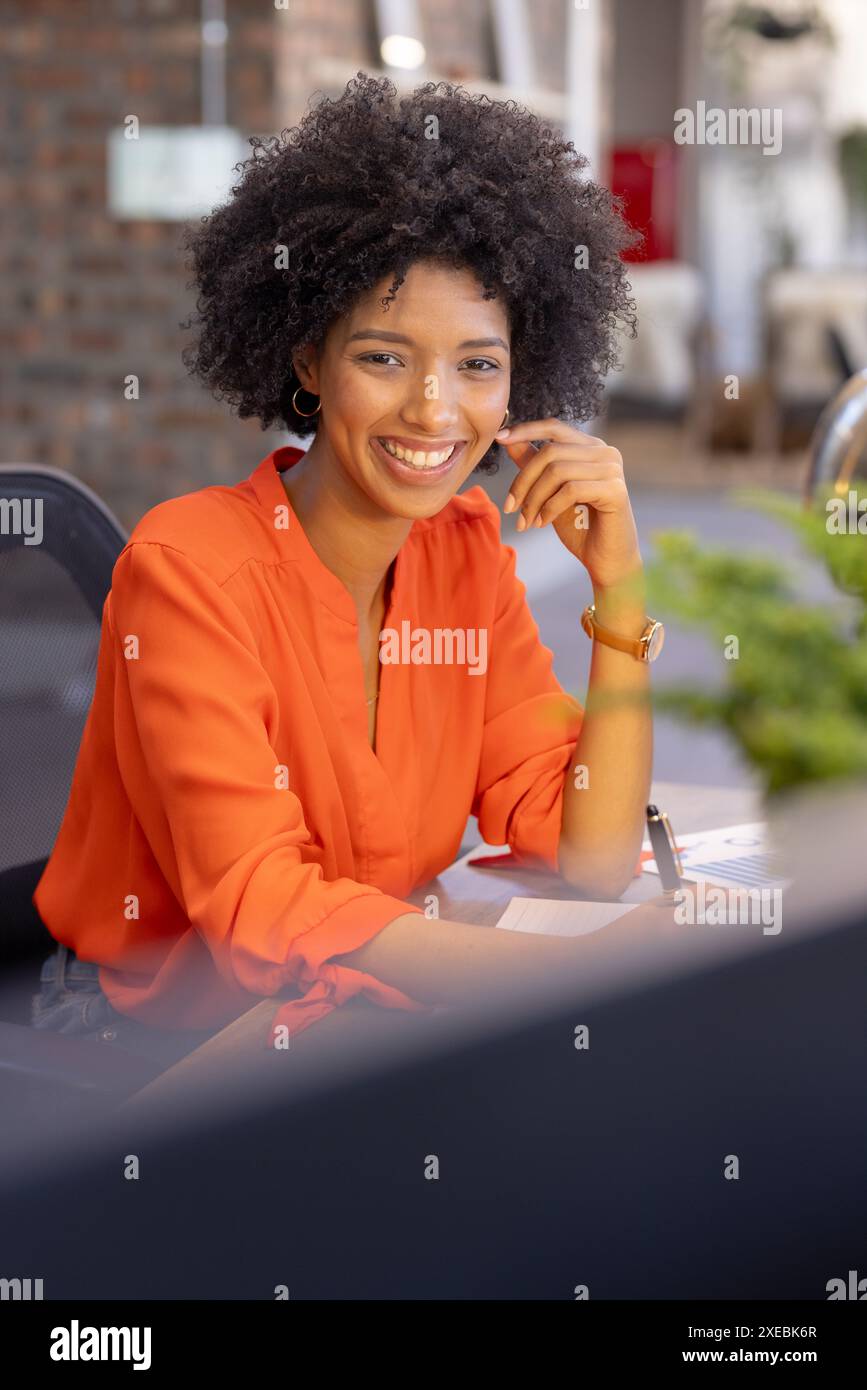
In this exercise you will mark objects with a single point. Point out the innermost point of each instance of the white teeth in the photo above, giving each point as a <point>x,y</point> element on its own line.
<point>416,458</point>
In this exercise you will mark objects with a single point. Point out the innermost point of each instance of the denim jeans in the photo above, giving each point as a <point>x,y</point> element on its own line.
<point>71,1001</point>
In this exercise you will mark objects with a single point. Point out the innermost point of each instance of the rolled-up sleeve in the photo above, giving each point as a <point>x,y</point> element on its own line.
<point>531,727</point>
<point>194,715</point>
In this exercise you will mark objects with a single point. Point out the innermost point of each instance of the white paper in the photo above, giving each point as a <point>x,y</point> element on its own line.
<point>554,917</point>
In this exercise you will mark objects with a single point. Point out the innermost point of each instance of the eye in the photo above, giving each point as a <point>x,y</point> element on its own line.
<point>481,364</point>
<point>376,358</point>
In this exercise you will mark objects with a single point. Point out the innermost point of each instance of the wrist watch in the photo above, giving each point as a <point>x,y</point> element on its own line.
<point>644,648</point>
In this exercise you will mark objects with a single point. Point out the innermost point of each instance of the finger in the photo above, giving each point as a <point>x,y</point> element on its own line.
<point>587,479</point>
<point>520,454</point>
<point>592,462</point>
<point>601,495</point>
<point>558,431</point>
<point>582,447</point>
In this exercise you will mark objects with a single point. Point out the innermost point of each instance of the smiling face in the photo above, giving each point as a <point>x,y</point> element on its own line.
<point>412,396</point>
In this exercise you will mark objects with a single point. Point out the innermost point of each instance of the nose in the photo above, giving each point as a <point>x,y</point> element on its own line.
<point>431,405</point>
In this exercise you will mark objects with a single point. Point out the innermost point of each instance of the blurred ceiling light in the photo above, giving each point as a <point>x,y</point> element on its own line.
<point>399,29</point>
<point>215,32</point>
<point>400,51</point>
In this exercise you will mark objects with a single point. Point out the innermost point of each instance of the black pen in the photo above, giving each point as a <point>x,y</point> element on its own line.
<point>664,849</point>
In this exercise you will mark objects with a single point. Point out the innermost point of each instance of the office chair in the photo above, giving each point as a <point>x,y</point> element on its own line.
<point>58,547</point>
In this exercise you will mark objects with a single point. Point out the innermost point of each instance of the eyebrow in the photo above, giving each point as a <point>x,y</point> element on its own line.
<point>401,338</point>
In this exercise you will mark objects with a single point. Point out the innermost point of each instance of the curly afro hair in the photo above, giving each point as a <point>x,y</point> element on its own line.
<point>367,184</point>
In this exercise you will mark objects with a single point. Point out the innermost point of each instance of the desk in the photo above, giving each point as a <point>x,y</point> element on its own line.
<point>477,896</point>
<point>481,896</point>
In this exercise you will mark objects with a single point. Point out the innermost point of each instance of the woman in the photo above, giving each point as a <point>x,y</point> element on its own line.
<point>307,681</point>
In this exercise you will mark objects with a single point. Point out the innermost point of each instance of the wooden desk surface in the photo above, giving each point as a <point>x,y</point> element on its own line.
<point>464,894</point>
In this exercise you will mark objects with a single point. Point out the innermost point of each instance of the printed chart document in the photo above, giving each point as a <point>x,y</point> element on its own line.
<point>737,854</point>
<point>554,917</point>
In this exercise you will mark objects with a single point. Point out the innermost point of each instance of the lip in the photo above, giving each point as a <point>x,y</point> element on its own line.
<point>420,476</point>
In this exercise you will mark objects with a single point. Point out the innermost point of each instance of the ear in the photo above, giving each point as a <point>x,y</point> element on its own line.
<point>306,367</point>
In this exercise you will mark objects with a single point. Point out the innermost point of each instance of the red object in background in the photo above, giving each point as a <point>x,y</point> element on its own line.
<point>645,176</point>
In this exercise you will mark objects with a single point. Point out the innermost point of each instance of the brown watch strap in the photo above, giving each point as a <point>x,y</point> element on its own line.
<point>634,646</point>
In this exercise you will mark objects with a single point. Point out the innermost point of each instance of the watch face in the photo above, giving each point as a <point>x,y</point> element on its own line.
<point>655,642</point>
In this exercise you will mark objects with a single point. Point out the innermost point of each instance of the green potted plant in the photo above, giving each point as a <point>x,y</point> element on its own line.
<point>794,697</point>
<point>852,155</point>
<point>852,158</point>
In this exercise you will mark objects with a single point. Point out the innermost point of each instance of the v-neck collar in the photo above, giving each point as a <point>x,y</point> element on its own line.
<point>330,591</point>
<point>333,595</point>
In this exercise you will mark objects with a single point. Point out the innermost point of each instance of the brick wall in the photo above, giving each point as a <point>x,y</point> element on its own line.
<point>88,299</point>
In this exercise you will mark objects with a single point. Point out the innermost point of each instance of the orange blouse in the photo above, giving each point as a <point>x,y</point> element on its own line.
<point>229,828</point>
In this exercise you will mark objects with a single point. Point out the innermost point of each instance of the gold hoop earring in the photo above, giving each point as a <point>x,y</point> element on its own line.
<point>305,414</point>
<point>505,419</point>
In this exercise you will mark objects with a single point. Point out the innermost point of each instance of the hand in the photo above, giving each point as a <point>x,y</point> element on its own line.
<point>575,481</point>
